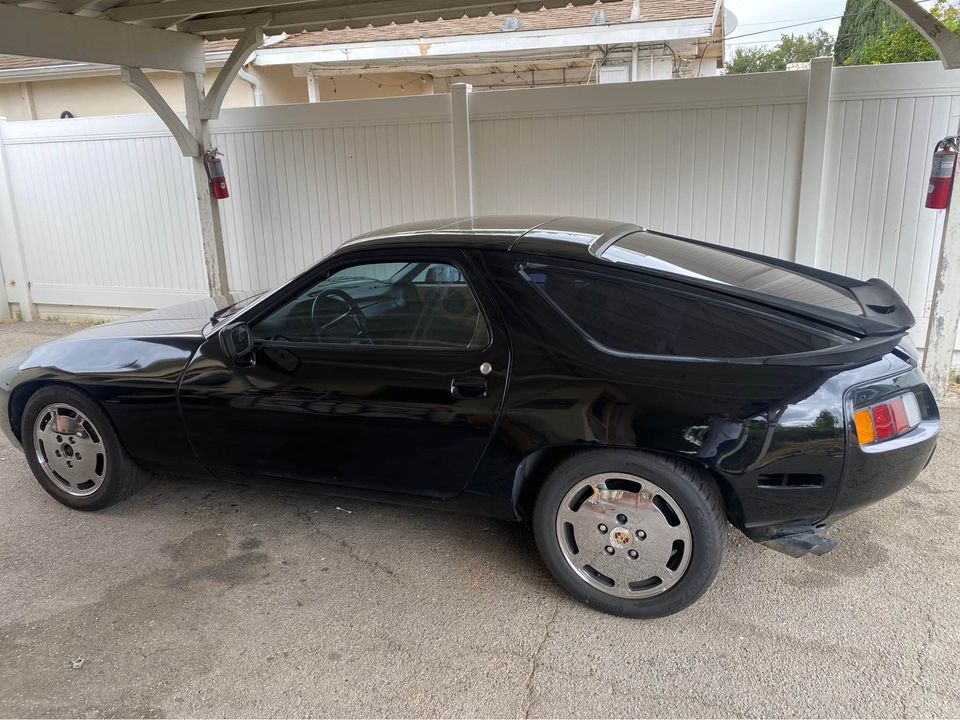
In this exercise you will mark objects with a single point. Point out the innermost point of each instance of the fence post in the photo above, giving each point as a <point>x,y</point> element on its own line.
<point>16,285</point>
<point>811,169</point>
<point>462,159</point>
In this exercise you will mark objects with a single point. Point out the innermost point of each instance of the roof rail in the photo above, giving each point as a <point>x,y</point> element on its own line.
<point>598,246</point>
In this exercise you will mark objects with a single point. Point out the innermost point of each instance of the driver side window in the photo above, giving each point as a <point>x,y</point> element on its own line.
<point>413,304</point>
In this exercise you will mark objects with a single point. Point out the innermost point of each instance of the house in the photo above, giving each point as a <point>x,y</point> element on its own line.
<point>616,41</point>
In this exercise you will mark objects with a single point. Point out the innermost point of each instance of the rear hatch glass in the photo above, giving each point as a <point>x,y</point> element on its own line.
<point>665,254</point>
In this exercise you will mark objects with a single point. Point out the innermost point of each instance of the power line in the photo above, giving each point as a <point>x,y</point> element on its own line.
<point>809,22</point>
<point>764,42</point>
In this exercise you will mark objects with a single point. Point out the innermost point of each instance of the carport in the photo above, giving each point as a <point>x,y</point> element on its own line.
<point>135,35</point>
<point>145,34</point>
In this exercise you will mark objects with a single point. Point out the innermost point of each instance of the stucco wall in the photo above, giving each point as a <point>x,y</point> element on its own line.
<point>104,95</point>
<point>353,87</point>
<point>12,104</point>
<point>107,95</point>
<point>280,87</point>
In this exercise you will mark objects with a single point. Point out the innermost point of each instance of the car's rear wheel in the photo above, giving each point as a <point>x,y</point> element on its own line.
<point>74,451</point>
<point>630,533</point>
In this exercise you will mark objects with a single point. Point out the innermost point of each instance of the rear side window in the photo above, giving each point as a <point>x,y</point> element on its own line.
<point>666,254</point>
<point>631,317</point>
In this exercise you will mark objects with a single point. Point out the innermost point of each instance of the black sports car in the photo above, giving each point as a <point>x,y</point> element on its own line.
<point>625,390</point>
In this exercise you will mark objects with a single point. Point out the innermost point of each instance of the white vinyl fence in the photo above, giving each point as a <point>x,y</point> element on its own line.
<point>825,167</point>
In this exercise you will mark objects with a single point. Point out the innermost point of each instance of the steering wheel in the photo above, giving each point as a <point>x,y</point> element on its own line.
<point>352,312</point>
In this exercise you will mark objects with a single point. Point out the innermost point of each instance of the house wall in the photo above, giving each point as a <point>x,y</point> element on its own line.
<point>352,87</point>
<point>104,95</point>
<point>106,215</point>
<point>13,105</point>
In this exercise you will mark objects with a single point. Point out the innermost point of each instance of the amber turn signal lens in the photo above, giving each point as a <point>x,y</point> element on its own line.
<point>863,422</point>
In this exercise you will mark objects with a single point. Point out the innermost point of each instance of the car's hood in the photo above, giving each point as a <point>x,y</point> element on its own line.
<point>185,319</point>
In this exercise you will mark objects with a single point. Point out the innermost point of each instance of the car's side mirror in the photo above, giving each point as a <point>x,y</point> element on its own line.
<point>236,340</point>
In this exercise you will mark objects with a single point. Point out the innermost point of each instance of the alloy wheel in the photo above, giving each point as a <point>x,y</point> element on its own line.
<point>624,535</point>
<point>70,449</point>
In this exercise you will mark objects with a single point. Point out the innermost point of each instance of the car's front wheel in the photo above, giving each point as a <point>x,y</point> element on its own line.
<point>630,533</point>
<point>73,450</point>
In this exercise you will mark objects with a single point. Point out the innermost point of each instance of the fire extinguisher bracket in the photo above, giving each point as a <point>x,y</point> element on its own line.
<point>214,167</point>
<point>942,173</point>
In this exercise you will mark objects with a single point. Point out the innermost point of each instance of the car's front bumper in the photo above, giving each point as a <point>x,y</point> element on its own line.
<point>9,369</point>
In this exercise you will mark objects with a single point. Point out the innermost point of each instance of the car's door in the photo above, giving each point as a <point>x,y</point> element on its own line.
<point>382,370</point>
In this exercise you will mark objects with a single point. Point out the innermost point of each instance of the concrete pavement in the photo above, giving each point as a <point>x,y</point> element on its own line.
<point>209,599</point>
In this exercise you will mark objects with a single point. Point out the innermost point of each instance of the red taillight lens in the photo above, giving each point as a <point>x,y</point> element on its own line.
<point>882,421</point>
<point>899,412</point>
<point>887,419</point>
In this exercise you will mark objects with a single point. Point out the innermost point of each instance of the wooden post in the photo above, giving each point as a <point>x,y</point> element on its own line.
<point>945,306</point>
<point>462,152</point>
<point>214,257</point>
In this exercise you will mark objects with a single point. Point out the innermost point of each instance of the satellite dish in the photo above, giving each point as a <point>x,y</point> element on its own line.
<point>729,21</point>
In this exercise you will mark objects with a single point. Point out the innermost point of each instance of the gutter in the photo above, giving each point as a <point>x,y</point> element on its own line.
<point>255,84</point>
<point>483,44</point>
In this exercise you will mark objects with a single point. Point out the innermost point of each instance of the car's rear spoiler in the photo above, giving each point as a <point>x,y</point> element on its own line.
<point>885,314</point>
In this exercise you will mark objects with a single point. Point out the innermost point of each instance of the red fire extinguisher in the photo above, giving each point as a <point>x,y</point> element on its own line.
<point>214,168</point>
<point>941,176</point>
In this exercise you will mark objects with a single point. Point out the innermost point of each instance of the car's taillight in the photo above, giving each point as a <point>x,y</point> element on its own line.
<point>886,420</point>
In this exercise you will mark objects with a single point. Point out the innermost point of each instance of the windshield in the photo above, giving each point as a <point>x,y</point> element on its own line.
<point>670,255</point>
<point>235,307</point>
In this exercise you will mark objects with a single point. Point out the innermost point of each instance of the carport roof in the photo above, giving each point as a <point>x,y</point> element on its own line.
<point>169,35</point>
<point>614,13</point>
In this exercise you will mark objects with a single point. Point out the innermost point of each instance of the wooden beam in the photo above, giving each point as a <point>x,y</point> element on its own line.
<point>944,42</point>
<point>188,8</point>
<point>334,15</point>
<point>40,33</point>
<point>137,81</point>
<point>251,39</point>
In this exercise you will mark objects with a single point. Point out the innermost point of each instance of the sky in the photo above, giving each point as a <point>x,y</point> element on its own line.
<point>762,21</point>
<point>766,17</point>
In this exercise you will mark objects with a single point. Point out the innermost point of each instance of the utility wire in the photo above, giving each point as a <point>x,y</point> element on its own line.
<point>808,22</point>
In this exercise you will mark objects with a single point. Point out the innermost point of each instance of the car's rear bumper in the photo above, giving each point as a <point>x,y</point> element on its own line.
<point>865,475</point>
<point>872,474</point>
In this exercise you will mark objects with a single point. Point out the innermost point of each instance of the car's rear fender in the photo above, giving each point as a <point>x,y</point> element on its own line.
<point>533,471</point>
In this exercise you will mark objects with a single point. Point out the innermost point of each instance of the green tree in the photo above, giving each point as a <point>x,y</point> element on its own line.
<point>904,43</point>
<point>863,19</point>
<point>790,49</point>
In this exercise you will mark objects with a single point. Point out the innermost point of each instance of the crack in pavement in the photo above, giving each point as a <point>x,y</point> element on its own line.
<point>921,665</point>
<point>535,661</point>
<point>339,542</point>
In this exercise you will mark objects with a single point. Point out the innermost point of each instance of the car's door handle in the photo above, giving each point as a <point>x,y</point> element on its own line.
<point>461,388</point>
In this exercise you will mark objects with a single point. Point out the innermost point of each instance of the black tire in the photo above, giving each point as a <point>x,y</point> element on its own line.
<point>690,487</point>
<point>121,476</point>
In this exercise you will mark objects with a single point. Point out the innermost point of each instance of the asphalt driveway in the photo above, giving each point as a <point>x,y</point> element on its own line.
<point>210,599</point>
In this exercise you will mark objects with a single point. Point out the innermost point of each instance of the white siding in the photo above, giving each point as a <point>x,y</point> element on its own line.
<point>104,208</point>
<point>106,213</point>
<point>719,162</point>
<point>883,124</point>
